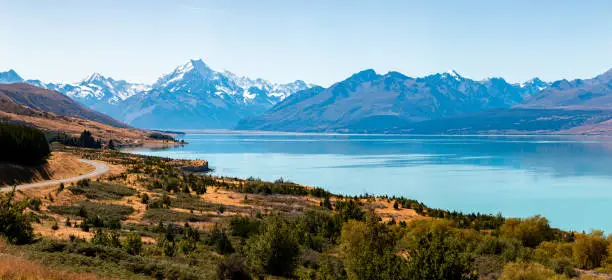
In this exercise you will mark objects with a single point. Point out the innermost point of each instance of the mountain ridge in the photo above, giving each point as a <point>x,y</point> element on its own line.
<point>235,96</point>
<point>392,97</point>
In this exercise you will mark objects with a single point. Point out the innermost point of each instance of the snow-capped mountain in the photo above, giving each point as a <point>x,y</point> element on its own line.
<point>195,96</point>
<point>196,76</point>
<point>97,88</point>
<point>219,99</point>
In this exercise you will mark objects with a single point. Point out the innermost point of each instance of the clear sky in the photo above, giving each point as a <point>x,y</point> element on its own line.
<point>318,41</point>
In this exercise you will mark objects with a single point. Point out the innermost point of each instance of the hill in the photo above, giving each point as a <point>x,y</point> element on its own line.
<point>12,95</point>
<point>54,113</point>
<point>149,219</point>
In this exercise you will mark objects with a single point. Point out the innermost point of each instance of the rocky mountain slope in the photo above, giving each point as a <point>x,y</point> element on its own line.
<point>589,94</point>
<point>368,101</point>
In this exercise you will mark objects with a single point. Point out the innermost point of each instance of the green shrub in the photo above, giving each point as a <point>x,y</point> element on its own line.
<point>244,226</point>
<point>15,225</point>
<point>133,244</point>
<point>528,271</point>
<point>439,255</point>
<point>232,268</point>
<point>369,251</point>
<point>95,214</point>
<point>219,239</point>
<point>101,191</point>
<point>349,209</point>
<point>275,250</point>
<point>530,231</point>
<point>589,250</point>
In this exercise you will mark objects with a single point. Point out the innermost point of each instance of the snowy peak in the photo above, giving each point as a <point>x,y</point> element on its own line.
<point>93,78</point>
<point>195,77</point>
<point>534,85</point>
<point>10,76</point>
<point>97,88</point>
<point>194,70</point>
<point>453,74</point>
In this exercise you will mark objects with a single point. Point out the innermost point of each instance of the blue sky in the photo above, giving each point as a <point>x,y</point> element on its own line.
<point>318,41</point>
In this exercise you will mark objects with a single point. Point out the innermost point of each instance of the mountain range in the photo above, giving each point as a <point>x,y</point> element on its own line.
<point>368,101</point>
<point>194,96</point>
<point>191,96</point>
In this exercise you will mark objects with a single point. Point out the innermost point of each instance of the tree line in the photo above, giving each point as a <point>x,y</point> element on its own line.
<point>23,145</point>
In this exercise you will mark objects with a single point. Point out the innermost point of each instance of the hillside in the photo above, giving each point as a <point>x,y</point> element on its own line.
<point>149,219</point>
<point>373,102</point>
<point>51,101</point>
<point>28,105</point>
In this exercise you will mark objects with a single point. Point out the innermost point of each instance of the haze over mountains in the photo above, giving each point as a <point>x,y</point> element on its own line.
<point>193,96</point>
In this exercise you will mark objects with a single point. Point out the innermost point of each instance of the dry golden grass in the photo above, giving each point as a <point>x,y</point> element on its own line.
<point>64,232</point>
<point>14,266</point>
<point>386,211</point>
<point>59,166</point>
<point>64,165</point>
<point>18,268</point>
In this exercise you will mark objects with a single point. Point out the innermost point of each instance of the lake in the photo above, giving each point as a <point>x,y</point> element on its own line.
<point>566,179</point>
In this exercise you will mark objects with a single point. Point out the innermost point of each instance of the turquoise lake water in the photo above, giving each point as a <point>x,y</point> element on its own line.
<point>566,179</point>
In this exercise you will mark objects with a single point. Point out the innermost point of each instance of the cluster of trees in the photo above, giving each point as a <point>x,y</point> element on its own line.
<point>85,140</point>
<point>475,221</point>
<point>279,186</point>
<point>22,145</point>
<point>161,136</point>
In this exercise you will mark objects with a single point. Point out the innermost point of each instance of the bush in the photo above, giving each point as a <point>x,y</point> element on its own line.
<point>589,250</point>
<point>368,251</point>
<point>101,191</point>
<point>557,256</point>
<point>439,255</point>
<point>509,249</point>
<point>133,244</point>
<point>244,226</point>
<point>530,231</point>
<point>232,268</point>
<point>14,223</point>
<point>275,250</point>
<point>349,209</point>
<point>219,239</point>
<point>528,271</point>
<point>23,145</point>
<point>318,229</point>
<point>95,214</point>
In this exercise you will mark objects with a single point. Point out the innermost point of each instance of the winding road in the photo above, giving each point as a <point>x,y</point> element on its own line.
<point>101,168</point>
